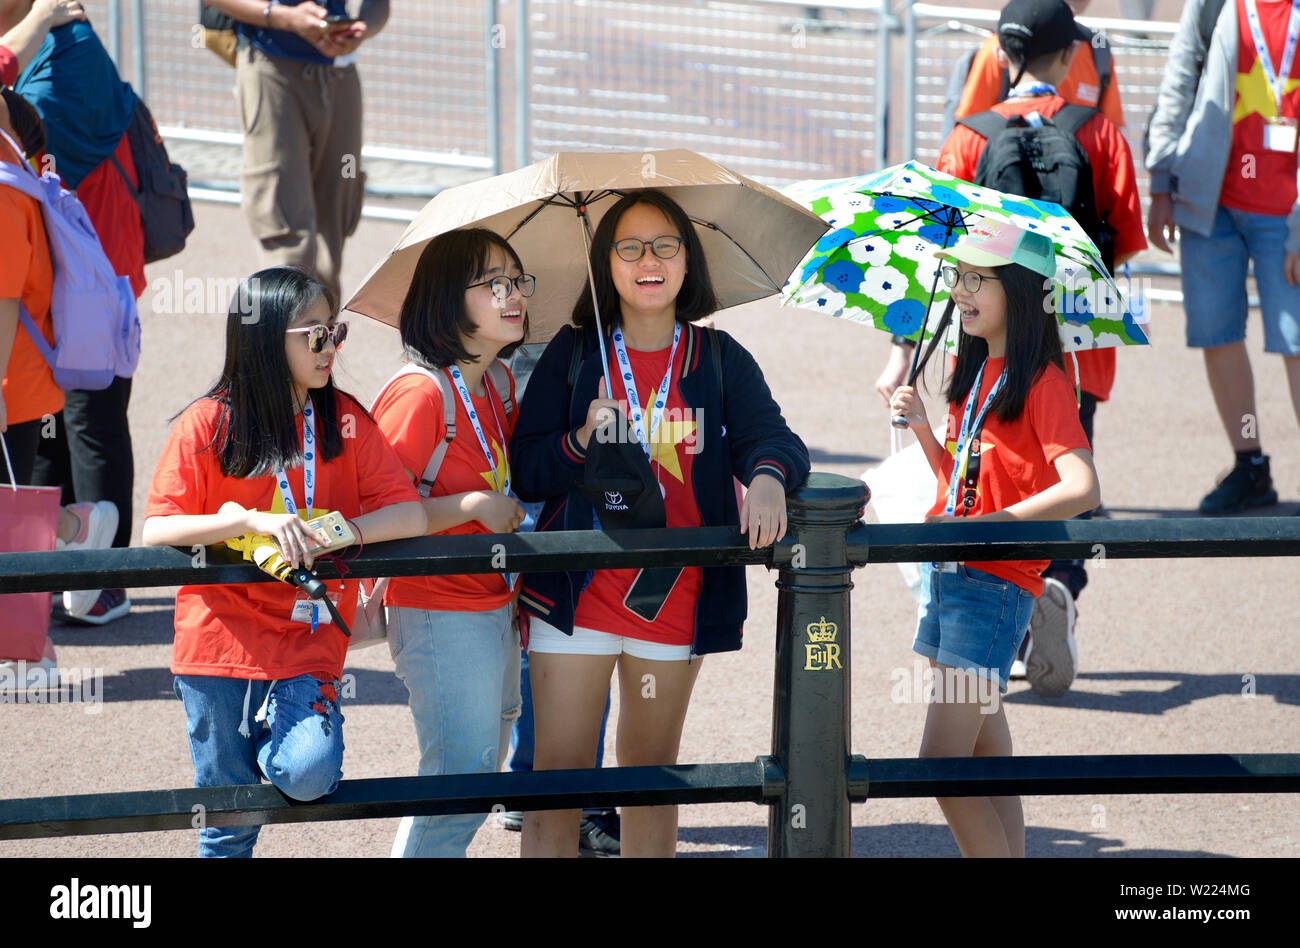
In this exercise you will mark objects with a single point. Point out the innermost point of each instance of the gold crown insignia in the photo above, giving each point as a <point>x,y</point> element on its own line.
<point>822,631</point>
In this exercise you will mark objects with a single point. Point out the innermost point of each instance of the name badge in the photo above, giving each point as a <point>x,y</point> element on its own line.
<point>302,610</point>
<point>1280,134</point>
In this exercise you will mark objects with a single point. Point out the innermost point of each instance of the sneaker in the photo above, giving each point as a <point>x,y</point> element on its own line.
<point>512,820</point>
<point>1244,486</point>
<point>1018,672</point>
<point>98,526</point>
<point>112,604</point>
<point>31,676</point>
<point>1051,664</point>
<point>598,835</point>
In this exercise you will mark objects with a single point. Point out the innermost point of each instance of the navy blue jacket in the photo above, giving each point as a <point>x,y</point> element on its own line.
<point>546,463</point>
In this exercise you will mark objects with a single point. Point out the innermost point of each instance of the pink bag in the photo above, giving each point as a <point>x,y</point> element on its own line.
<point>29,520</point>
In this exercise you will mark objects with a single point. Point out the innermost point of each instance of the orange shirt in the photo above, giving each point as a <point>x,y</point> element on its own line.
<point>27,276</point>
<point>244,630</point>
<point>1081,85</point>
<point>1017,457</point>
<point>1114,185</point>
<point>1258,179</point>
<point>409,412</point>
<point>600,606</point>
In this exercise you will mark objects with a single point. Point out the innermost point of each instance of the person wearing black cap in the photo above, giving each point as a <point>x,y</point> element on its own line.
<point>1039,39</point>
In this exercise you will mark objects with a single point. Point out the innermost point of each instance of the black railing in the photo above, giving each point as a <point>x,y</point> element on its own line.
<point>811,776</point>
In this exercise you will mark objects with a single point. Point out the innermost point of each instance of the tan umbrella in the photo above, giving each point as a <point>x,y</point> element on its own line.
<point>752,235</point>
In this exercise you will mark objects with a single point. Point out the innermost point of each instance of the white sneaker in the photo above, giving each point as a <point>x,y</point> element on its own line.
<point>29,676</point>
<point>1051,663</point>
<point>98,527</point>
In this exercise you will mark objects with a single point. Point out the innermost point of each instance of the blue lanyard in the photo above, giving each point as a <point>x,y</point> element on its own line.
<point>1036,89</point>
<point>308,482</point>
<point>502,479</point>
<point>966,442</point>
<point>629,384</point>
<point>1276,80</point>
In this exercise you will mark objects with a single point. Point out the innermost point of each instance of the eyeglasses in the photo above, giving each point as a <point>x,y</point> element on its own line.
<point>501,285</point>
<point>316,335</point>
<point>970,280</point>
<point>632,249</point>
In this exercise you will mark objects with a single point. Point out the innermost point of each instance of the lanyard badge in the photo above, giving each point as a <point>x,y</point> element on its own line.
<point>500,477</point>
<point>966,464</point>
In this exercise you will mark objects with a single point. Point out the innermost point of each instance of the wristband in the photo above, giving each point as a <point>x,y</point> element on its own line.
<point>266,13</point>
<point>903,341</point>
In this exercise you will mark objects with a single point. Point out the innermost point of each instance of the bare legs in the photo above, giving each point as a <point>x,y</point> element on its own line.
<point>982,826</point>
<point>568,700</point>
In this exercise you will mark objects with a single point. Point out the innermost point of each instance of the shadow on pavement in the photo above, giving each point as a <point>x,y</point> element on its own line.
<point>1284,689</point>
<point>925,839</point>
<point>1276,510</point>
<point>822,456</point>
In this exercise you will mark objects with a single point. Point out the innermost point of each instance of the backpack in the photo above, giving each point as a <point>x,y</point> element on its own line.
<point>1044,162</point>
<point>215,31</point>
<point>163,196</point>
<point>1101,58</point>
<point>96,326</point>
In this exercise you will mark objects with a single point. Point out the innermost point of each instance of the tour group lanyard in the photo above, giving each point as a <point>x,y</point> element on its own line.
<point>308,481</point>
<point>966,444</point>
<point>1276,79</point>
<point>629,384</point>
<point>502,478</point>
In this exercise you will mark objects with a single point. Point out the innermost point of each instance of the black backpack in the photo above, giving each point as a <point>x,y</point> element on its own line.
<point>163,196</point>
<point>1046,163</point>
<point>1101,58</point>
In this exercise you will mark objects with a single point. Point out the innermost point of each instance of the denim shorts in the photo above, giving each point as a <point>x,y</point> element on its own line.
<point>971,619</point>
<point>1214,276</point>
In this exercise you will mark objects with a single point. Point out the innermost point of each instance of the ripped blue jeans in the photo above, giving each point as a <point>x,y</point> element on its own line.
<point>289,732</point>
<point>461,670</point>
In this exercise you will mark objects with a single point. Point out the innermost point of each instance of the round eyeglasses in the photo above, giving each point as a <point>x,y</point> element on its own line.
<point>970,280</point>
<point>502,285</point>
<point>632,249</point>
<point>316,335</point>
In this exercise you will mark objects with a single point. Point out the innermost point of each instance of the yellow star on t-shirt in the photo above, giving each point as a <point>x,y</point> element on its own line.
<point>1254,94</point>
<point>664,450</point>
<point>497,479</point>
<point>951,447</point>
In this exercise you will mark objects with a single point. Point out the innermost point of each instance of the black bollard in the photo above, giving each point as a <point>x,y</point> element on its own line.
<point>810,716</point>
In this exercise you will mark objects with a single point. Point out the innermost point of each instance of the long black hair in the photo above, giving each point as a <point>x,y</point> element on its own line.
<point>1033,341</point>
<point>257,431</point>
<point>433,313</point>
<point>26,123</point>
<point>696,298</point>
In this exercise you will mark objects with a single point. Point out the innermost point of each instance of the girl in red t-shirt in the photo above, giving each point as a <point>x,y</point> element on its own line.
<point>1014,451</point>
<point>453,638</point>
<point>270,446</point>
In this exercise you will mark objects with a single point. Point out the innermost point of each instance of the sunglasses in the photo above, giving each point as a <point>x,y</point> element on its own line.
<point>970,280</point>
<point>632,249</point>
<point>316,335</point>
<point>501,285</point>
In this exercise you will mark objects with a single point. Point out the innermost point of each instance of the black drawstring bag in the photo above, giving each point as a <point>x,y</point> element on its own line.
<point>622,489</point>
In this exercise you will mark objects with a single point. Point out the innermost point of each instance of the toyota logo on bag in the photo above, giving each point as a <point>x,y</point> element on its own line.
<point>613,498</point>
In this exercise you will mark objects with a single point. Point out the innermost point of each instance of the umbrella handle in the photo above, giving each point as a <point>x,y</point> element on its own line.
<point>583,225</point>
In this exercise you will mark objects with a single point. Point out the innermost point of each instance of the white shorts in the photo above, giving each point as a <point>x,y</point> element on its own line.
<point>544,637</point>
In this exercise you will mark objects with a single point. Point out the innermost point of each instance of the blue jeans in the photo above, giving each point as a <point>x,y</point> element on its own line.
<point>299,748</point>
<point>461,670</point>
<point>1214,281</point>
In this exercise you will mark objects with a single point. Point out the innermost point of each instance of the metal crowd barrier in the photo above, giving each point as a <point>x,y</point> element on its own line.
<point>811,775</point>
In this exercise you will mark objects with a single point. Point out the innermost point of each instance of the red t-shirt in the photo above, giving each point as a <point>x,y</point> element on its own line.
<point>113,213</point>
<point>409,412</point>
<point>673,451</point>
<point>1258,179</point>
<point>1017,457</point>
<point>26,275</point>
<point>244,630</point>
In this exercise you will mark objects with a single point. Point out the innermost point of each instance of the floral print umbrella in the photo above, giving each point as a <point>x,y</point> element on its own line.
<point>876,264</point>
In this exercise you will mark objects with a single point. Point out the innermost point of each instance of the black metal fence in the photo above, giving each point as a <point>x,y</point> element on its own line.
<point>810,777</point>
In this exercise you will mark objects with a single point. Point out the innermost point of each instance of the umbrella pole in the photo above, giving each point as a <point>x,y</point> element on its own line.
<point>584,224</point>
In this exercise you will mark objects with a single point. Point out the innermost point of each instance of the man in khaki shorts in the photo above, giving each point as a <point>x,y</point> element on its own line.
<point>300,106</point>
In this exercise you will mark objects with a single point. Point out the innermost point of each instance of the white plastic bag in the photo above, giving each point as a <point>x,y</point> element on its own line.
<point>902,490</point>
